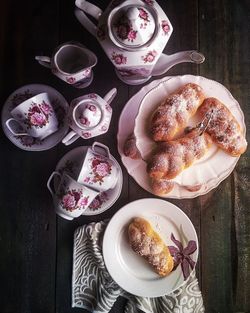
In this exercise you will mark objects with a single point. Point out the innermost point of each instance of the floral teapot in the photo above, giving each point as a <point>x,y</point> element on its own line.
<point>133,33</point>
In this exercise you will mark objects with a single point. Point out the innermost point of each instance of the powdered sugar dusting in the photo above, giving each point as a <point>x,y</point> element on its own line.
<point>175,111</point>
<point>223,127</point>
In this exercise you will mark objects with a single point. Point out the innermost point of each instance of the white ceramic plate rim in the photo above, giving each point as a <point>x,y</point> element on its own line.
<point>115,192</point>
<point>143,287</point>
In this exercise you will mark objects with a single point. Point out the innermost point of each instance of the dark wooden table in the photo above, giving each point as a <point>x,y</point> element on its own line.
<point>36,245</point>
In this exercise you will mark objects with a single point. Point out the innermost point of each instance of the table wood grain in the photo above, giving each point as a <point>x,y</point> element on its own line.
<point>36,245</point>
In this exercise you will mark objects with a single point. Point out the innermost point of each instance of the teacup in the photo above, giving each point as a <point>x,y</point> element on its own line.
<point>89,116</point>
<point>36,117</point>
<point>98,170</point>
<point>70,198</point>
<point>71,62</point>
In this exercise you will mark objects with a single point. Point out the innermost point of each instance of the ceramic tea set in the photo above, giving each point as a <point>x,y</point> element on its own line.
<point>97,173</point>
<point>133,35</point>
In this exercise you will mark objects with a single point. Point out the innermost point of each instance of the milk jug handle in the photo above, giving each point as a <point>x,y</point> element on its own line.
<point>89,8</point>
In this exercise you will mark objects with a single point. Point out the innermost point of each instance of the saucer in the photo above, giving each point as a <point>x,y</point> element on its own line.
<point>71,163</point>
<point>60,106</point>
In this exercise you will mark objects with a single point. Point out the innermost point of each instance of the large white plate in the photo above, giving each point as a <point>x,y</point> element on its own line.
<point>71,163</point>
<point>129,270</point>
<point>209,171</point>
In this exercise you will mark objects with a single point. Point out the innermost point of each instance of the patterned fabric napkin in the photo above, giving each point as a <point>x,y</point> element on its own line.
<point>94,289</point>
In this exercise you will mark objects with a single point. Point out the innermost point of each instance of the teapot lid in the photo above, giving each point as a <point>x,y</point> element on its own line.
<point>132,26</point>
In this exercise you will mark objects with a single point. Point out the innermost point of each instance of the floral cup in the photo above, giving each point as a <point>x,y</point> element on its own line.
<point>71,62</point>
<point>36,117</point>
<point>70,198</point>
<point>98,170</point>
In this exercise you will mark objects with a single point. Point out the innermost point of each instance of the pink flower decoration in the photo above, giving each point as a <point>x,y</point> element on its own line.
<point>119,58</point>
<point>68,201</point>
<point>104,128</point>
<point>70,80</point>
<point>143,14</point>
<point>149,57</point>
<point>46,108</point>
<point>92,96</point>
<point>83,201</point>
<point>165,27</point>
<point>102,169</point>
<point>108,108</point>
<point>91,107</point>
<point>87,72</point>
<point>149,2</point>
<point>37,119</point>
<point>86,135</point>
<point>84,121</point>
<point>132,35</point>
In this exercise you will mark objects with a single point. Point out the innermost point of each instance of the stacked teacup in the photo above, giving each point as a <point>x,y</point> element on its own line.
<point>98,173</point>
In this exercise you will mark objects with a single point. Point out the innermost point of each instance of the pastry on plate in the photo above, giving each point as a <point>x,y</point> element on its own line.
<point>147,243</point>
<point>130,149</point>
<point>223,128</point>
<point>172,157</point>
<point>173,113</point>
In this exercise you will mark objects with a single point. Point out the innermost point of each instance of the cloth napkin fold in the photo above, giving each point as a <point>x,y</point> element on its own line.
<point>94,289</point>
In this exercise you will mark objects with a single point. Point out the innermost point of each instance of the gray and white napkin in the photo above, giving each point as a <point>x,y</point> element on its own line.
<point>94,289</point>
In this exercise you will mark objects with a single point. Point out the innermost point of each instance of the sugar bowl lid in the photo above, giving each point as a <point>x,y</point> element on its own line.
<point>88,115</point>
<point>132,26</point>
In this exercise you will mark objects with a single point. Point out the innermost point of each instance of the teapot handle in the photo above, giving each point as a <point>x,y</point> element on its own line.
<point>83,7</point>
<point>165,61</point>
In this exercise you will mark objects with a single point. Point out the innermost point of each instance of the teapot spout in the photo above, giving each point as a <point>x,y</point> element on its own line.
<point>165,61</point>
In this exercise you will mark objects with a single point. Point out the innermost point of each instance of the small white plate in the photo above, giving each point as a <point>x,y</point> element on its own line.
<point>209,171</point>
<point>129,270</point>
<point>60,106</point>
<point>71,163</point>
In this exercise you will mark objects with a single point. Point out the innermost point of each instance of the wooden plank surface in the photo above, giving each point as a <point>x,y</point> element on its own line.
<point>36,246</point>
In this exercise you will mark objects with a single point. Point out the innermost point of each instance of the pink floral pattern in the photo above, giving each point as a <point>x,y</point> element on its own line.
<point>19,98</point>
<point>38,115</point>
<point>92,96</point>
<point>28,141</point>
<point>86,135</point>
<point>143,15</point>
<point>165,27</point>
<point>119,58</point>
<point>101,32</point>
<point>150,56</point>
<point>100,168</point>
<point>98,201</point>
<point>108,108</point>
<point>74,200</point>
<point>104,128</point>
<point>149,2</point>
<point>70,80</point>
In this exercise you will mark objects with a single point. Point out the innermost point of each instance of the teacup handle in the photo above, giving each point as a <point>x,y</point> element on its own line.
<point>11,129</point>
<point>110,95</point>
<point>43,60</point>
<point>103,148</point>
<point>70,138</point>
<point>50,179</point>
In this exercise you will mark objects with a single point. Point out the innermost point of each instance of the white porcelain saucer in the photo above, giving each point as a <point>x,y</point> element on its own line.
<point>71,163</point>
<point>60,106</point>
